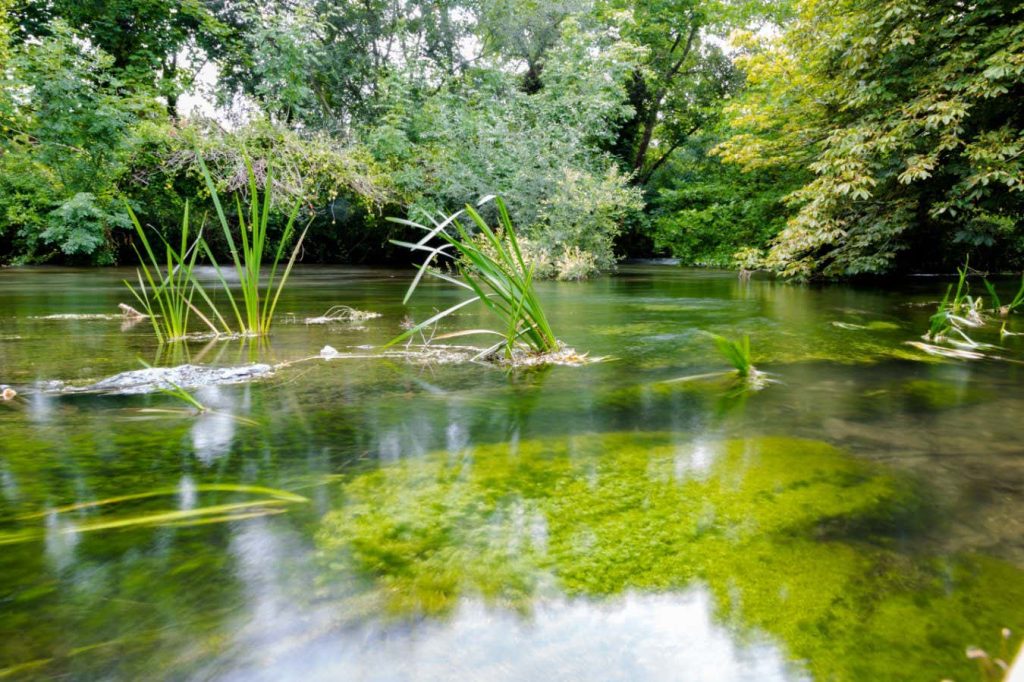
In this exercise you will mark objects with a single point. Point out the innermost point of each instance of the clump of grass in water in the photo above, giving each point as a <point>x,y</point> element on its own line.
<point>737,352</point>
<point>956,312</point>
<point>997,305</point>
<point>166,293</point>
<point>959,311</point>
<point>499,277</point>
<point>255,313</point>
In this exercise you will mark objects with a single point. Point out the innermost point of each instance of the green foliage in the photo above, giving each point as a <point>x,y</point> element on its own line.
<point>678,89</point>
<point>82,228</point>
<point>705,211</point>
<point>497,274</point>
<point>908,119</point>
<point>323,63</point>
<point>259,297</point>
<point>144,38</point>
<point>67,128</point>
<point>166,293</point>
<point>541,151</point>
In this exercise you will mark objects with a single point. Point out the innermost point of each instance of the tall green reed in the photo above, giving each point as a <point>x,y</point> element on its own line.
<point>165,291</point>
<point>493,269</point>
<point>997,305</point>
<point>254,312</point>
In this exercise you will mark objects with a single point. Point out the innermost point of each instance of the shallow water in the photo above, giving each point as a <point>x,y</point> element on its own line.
<point>375,519</point>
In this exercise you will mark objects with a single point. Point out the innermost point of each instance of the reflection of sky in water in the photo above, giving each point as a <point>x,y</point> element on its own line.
<point>213,432</point>
<point>636,637</point>
<point>61,539</point>
<point>633,637</point>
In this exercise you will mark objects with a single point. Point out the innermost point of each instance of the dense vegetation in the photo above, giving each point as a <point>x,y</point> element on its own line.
<point>810,137</point>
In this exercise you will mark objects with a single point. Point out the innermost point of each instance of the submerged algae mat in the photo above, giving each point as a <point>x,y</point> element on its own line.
<point>793,538</point>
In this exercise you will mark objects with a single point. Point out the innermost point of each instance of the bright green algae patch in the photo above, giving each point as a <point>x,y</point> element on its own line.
<point>793,537</point>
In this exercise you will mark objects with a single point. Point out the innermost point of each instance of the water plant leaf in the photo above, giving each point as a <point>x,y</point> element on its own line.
<point>493,268</point>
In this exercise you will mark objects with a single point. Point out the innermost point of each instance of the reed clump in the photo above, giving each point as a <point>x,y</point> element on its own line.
<point>167,289</point>
<point>254,312</point>
<point>491,266</point>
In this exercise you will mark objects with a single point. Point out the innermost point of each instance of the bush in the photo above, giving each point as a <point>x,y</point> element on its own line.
<point>81,228</point>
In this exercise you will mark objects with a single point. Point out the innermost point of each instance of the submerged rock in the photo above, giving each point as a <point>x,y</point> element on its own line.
<point>153,379</point>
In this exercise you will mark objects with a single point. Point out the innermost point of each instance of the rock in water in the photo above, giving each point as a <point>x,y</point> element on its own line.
<point>153,379</point>
<point>7,393</point>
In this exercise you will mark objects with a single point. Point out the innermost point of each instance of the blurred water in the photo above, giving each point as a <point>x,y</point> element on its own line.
<point>858,519</point>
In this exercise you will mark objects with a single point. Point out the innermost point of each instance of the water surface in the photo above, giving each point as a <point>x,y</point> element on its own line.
<point>375,519</point>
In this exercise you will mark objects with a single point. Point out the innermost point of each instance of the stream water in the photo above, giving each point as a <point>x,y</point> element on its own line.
<point>377,519</point>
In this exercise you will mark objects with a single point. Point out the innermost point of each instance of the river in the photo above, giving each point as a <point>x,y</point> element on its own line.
<point>372,518</point>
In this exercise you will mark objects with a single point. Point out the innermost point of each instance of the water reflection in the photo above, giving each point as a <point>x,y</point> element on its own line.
<point>566,523</point>
<point>213,431</point>
<point>636,637</point>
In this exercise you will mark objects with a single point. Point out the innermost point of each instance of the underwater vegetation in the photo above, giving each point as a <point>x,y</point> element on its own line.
<point>792,537</point>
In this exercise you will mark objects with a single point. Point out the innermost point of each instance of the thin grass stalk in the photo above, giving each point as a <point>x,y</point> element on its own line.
<point>166,292</point>
<point>259,301</point>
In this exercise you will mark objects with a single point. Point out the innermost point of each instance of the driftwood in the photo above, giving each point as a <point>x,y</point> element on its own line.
<point>130,313</point>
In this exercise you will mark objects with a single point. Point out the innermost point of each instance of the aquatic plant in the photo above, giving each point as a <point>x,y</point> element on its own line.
<point>997,304</point>
<point>255,312</point>
<point>273,501</point>
<point>957,310</point>
<point>166,292</point>
<point>779,530</point>
<point>498,276</point>
<point>736,352</point>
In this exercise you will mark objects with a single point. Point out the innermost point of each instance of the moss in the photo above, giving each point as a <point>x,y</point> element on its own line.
<point>788,534</point>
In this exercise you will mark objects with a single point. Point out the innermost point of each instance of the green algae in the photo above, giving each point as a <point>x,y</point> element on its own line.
<point>793,537</point>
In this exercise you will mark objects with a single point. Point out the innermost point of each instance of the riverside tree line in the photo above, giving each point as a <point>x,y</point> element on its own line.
<point>809,137</point>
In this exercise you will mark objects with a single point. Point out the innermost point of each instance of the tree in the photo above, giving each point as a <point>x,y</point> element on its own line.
<point>908,114</point>
<point>525,31</point>
<point>324,63</point>
<point>145,39</point>
<point>705,211</point>
<point>542,151</point>
<point>67,125</point>
<point>678,90</point>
